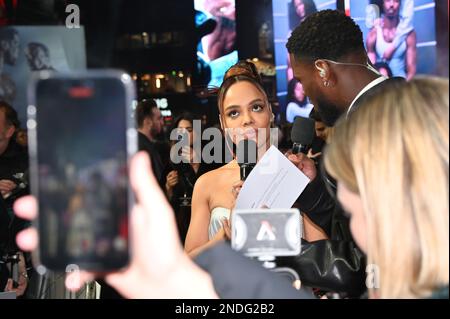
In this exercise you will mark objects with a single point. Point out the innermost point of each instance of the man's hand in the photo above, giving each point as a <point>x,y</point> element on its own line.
<point>304,164</point>
<point>312,155</point>
<point>221,8</point>
<point>6,187</point>
<point>23,278</point>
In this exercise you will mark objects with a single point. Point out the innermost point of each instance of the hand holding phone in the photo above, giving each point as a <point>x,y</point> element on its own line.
<point>81,135</point>
<point>159,268</point>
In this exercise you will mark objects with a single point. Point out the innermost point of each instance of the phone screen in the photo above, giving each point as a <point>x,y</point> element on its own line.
<point>82,177</point>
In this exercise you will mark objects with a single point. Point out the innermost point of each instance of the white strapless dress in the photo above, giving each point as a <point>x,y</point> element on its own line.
<point>215,222</point>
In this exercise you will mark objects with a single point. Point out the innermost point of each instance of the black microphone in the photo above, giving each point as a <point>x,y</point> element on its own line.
<point>246,157</point>
<point>302,134</point>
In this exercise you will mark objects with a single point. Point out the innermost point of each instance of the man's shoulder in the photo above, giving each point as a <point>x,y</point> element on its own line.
<point>13,160</point>
<point>144,144</point>
<point>372,35</point>
<point>378,88</point>
<point>15,151</point>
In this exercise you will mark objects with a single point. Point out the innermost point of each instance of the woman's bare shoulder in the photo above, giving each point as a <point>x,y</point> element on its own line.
<point>212,177</point>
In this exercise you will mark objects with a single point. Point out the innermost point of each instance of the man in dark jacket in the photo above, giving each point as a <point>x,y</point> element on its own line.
<point>328,57</point>
<point>150,124</point>
<point>13,184</point>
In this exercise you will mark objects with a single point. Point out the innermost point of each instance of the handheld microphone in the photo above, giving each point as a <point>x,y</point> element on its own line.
<point>246,157</point>
<point>302,135</point>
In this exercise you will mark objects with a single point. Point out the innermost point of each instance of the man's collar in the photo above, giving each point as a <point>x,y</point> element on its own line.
<point>4,149</point>
<point>147,136</point>
<point>364,90</point>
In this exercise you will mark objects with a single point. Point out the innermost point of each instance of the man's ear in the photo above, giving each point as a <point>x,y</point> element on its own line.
<point>10,131</point>
<point>322,69</point>
<point>324,72</point>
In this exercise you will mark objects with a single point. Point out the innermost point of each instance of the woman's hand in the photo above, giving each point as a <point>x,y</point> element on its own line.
<point>226,222</point>
<point>226,225</point>
<point>171,181</point>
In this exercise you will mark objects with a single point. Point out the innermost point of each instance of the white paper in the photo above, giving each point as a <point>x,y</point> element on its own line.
<point>273,183</point>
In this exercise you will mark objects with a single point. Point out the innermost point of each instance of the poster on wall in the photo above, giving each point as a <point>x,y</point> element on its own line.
<point>24,50</point>
<point>216,49</point>
<point>288,14</point>
<point>399,35</point>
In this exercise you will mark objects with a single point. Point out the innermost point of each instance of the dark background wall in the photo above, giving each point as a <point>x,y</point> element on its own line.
<point>250,15</point>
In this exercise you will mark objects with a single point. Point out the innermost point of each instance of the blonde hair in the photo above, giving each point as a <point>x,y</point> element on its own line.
<point>393,151</point>
<point>329,131</point>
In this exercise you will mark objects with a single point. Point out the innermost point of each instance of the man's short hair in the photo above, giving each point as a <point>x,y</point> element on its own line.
<point>10,114</point>
<point>380,4</point>
<point>144,109</point>
<point>315,116</point>
<point>327,34</point>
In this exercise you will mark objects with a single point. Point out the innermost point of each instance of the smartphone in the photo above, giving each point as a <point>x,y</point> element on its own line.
<point>81,136</point>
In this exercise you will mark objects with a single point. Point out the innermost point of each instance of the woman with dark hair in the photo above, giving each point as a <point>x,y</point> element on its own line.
<point>182,176</point>
<point>298,104</point>
<point>299,10</point>
<point>245,113</point>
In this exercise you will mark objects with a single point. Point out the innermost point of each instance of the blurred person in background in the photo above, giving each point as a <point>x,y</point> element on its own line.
<point>13,185</point>
<point>322,137</point>
<point>9,53</point>
<point>299,10</point>
<point>181,178</point>
<point>150,124</point>
<point>381,42</point>
<point>298,103</point>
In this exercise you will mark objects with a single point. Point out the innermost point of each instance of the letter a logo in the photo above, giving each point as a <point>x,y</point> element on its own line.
<point>73,19</point>
<point>265,232</point>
